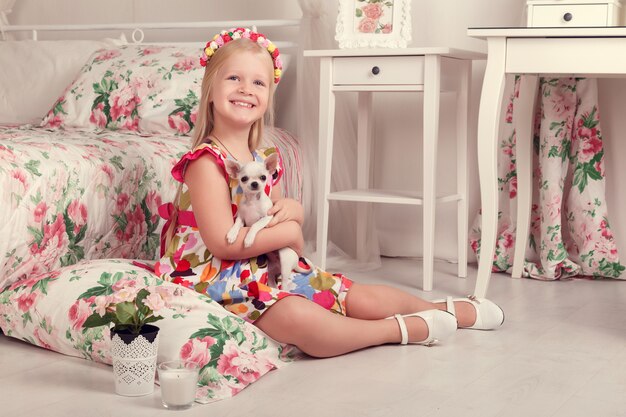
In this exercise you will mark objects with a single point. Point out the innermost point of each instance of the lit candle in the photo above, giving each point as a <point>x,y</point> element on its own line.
<point>178,381</point>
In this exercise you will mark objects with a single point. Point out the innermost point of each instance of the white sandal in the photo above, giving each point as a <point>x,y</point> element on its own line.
<point>489,316</point>
<point>441,324</point>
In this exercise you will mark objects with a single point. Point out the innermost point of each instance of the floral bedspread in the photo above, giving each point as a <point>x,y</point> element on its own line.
<point>72,195</point>
<point>49,309</point>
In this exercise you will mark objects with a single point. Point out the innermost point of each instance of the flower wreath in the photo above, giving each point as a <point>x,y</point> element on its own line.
<point>226,36</point>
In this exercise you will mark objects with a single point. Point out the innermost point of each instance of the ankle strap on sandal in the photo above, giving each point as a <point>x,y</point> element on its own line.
<point>450,306</point>
<point>403,330</point>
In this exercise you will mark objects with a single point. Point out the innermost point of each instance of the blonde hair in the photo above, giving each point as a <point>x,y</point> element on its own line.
<point>205,121</point>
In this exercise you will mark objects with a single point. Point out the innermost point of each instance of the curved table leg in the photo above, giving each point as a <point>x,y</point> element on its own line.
<point>488,123</point>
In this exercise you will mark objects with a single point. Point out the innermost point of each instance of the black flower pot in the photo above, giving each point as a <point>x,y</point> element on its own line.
<point>148,331</point>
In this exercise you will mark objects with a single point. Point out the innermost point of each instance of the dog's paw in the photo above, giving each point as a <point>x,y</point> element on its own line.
<point>231,237</point>
<point>248,241</point>
<point>288,285</point>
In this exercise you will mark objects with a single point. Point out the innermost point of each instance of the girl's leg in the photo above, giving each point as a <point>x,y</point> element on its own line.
<point>321,333</point>
<point>371,302</point>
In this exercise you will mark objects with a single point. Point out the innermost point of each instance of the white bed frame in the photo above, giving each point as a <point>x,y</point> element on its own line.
<point>138,29</point>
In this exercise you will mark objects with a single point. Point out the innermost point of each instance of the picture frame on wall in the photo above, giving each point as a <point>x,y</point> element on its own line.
<point>373,24</point>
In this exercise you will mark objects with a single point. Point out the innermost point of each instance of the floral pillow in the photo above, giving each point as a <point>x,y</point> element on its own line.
<point>49,310</point>
<point>141,88</point>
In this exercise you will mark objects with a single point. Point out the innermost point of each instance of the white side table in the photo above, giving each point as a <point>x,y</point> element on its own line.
<point>427,70</point>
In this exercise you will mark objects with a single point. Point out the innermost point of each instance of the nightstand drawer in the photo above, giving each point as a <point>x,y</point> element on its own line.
<point>387,70</point>
<point>575,15</point>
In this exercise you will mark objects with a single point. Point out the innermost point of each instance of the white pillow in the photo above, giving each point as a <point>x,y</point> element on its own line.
<point>33,74</point>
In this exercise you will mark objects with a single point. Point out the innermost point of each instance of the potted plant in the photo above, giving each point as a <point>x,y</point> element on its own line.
<point>134,341</point>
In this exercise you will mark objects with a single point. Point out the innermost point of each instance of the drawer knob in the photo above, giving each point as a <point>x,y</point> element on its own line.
<point>375,70</point>
<point>567,16</point>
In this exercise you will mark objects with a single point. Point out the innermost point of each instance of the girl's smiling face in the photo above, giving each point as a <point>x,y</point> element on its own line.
<point>241,89</point>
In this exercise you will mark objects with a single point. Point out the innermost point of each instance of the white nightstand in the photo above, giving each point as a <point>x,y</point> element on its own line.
<point>427,70</point>
<point>573,13</point>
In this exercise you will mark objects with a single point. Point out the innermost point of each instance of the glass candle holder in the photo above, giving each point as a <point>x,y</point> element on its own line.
<point>178,380</point>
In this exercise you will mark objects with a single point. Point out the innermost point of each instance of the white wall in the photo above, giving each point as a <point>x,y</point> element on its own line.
<point>435,22</point>
<point>118,11</point>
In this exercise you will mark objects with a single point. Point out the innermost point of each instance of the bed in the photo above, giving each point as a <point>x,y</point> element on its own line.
<point>84,168</point>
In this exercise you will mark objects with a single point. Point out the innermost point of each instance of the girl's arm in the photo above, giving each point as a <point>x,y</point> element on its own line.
<point>210,199</point>
<point>284,209</point>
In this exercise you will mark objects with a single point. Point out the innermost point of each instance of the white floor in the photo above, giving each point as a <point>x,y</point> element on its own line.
<point>561,353</point>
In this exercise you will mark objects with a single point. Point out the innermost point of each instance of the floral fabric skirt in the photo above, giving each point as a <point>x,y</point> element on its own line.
<point>242,287</point>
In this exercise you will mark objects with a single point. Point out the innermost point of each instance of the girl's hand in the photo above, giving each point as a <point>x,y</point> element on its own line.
<point>285,209</point>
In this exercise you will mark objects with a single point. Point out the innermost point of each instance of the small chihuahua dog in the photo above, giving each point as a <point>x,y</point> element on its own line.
<point>252,211</point>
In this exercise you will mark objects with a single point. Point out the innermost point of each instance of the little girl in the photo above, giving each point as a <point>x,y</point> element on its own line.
<point>325,315</point>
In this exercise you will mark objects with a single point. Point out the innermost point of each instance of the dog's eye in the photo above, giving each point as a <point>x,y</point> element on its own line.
<point>263,177</point>
<point>244,179</point>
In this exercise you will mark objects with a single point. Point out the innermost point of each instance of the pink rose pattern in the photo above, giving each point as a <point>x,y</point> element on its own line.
<point>375,16</point>
<point>569,231</point>
<point>232,353</point>
<point>183,117</point>
<point>124,92</point>
<point>240,364</point>
<point>99,199</point>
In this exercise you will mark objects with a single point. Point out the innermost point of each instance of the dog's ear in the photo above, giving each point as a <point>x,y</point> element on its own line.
<point>232,167</point>
<point>271,162</point>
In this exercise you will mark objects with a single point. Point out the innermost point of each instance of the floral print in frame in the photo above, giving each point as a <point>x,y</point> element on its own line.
<point>373,16</point>
<point>373,23</point>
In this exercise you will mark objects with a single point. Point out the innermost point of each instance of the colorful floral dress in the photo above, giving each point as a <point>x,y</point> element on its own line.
<point>240,286</point>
